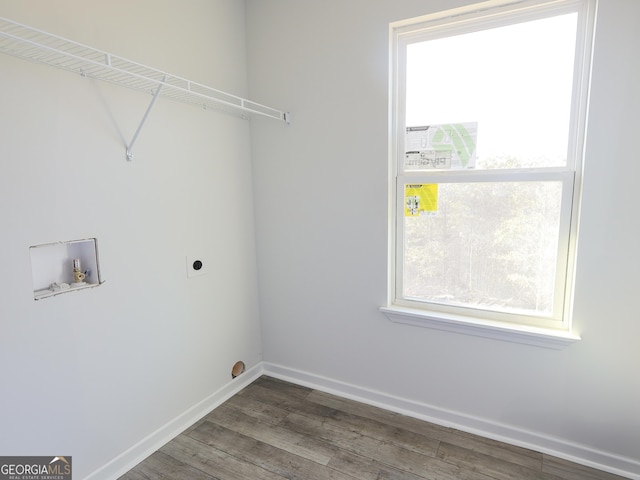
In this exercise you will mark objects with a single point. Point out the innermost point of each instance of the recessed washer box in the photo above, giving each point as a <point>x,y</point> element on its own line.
<point>52,267</point>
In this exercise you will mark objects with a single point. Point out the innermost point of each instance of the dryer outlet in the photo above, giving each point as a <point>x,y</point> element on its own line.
<point>197,265</point>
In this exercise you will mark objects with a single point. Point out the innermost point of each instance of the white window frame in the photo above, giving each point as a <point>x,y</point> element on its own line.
<point>557,331</point>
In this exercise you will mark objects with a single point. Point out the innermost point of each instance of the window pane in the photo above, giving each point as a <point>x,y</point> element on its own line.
<point>514,82</point>
<point>484,245</point>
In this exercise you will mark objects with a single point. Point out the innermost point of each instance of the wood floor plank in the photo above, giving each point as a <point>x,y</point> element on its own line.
<point>254,406</point>
<point>488,465</point>
<point>215,462</point>
<point>382,431</point>
<point>499,450</point>
<point>344,439</point>
<point>273,397</point>
<point>510,453</point>
<point>133,474</point>
<point>268,457</point>
<point>365,468</point>
<point>366,426</point>
<point>298,444</point>
<point>162,466</point>
<point>289,389</point>
<point>572,471</point>
<point>378,414</point>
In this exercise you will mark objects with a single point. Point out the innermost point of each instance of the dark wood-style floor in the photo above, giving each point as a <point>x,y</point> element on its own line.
<point>274,430</point>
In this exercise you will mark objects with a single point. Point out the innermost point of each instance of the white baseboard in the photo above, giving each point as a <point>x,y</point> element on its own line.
<point>557,447</point>
<point>581,454</point>
<point>145,447</point>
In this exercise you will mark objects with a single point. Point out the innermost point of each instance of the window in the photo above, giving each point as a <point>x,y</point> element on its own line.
<point>488,119</point>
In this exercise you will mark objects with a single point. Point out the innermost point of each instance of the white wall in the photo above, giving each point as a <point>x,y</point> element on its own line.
<point>89,374</point>
<point>322,229</point>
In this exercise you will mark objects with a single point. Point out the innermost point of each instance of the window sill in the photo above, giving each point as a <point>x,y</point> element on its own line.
<point>540,337</point>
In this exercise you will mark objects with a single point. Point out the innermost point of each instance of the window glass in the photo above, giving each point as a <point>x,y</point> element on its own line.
<point>484,245</point>
<point>513,82</point>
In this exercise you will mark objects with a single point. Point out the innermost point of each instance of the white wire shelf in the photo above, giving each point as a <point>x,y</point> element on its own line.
<point>42,47</point>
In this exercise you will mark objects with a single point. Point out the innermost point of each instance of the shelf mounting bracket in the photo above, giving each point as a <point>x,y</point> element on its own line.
<point>144,119</point>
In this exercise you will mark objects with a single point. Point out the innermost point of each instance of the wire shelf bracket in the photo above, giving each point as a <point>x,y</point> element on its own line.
<point>38,46</point>
<point>144,119</point>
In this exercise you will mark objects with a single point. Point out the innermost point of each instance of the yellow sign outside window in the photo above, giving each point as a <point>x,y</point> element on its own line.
<point>420,199</point>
